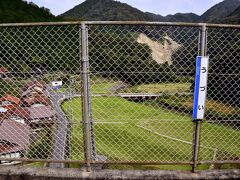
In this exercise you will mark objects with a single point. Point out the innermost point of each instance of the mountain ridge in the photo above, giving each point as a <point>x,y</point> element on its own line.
<point>220,11</point>
<point>234,17</point>
<point>227,11</point>
<point>22,11</point>
<point>115,10</point>
<point>110,10</point>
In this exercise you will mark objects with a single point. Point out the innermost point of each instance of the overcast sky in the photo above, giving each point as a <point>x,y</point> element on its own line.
<point>162,7</point>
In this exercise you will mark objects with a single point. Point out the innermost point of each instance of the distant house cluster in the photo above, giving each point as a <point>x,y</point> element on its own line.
<point>20,116</point>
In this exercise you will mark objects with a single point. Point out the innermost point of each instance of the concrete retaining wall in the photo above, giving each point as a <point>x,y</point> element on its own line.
<point>23,173</point>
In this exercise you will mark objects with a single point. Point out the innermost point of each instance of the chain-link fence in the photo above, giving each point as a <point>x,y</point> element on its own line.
<point>220,129</point>
<point>117,93</point>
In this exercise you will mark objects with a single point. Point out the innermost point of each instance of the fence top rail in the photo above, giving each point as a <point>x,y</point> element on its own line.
<point>119,23</point>
<point>160,23</point>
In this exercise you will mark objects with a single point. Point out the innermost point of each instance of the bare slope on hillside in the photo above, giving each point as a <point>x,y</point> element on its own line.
<point>161,53</point>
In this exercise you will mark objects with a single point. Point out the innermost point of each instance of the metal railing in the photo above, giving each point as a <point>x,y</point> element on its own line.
<point>118,93</point>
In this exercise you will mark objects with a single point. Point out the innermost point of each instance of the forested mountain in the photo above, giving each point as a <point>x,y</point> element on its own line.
<point>178,17</point>
<point>227,11</point>
<point>220,11</point>
<point>107,10</point>
<point>22,11</point>
<point>182,17</point>
<point>155,17</point>
<point>115,10</point>
<point>234,17</point>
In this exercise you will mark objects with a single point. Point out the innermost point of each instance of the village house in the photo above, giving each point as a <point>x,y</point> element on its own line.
<point>14,139</point>
<point>17,116</point>
<point>9,102</point>
<point>36,85</point>
<point>32,89</point>
<point>33,116</point>
<point>29,94</point>
<point>4,73</point>
<point>20,115</point>
<point>41,115</point>
<point>37,101</point>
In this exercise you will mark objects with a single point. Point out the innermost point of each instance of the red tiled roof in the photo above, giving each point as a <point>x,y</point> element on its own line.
<point>10,98</point>
<point>3,70</point>
<point>42,112</point>
<point>3,116</point>
<point>19,112</point>
<point>30,92</point>
<point>6,148</point>
<point>34,84</point>
<point>38,99</point>
<point>14,133</point>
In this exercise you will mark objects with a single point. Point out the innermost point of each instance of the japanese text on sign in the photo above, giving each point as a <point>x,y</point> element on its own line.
<point>200,90</point>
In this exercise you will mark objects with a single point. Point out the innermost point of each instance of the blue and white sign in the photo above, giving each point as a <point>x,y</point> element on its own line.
<point>200,90</point>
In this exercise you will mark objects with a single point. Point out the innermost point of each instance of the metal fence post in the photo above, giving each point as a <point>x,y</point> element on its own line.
<point>198,122</point>
<point>203,42</point>
<point>92,138</point>
<point>85,97</point>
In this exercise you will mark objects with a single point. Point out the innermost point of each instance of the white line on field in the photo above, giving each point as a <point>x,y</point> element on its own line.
<point>105,122</point>
<point>175,139</point>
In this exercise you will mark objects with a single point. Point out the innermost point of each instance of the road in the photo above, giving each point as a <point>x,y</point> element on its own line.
<point>61,144</point>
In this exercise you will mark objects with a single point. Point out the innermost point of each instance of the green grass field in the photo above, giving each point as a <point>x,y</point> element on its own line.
<point>129,131</point>
<point>160,88</point>
<point>214,109</point>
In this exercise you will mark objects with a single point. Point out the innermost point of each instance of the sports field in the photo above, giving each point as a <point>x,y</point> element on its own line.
<point>131,131</point>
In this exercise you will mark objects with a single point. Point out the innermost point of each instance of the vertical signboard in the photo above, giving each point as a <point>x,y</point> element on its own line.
<point>200,90</point>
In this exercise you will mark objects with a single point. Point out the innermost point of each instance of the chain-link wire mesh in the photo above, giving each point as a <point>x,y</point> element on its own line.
<point>40,68</point>
<point>220,130</point>
<point>140,78</point>
<point>130,101</point>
